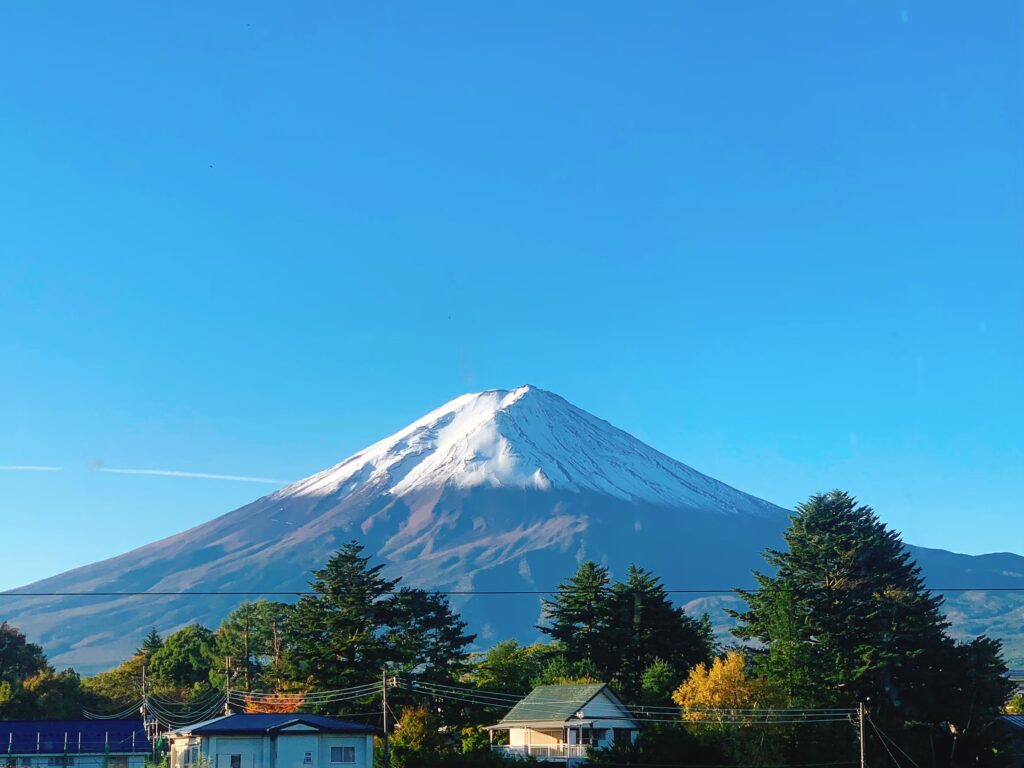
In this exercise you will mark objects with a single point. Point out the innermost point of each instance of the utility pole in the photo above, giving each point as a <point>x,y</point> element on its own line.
<point>227,685</point>
<point>860,721</point>
<point>384,704</point>
<point>145,713</point>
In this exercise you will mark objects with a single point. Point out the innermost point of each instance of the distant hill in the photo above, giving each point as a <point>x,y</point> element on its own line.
<point>498,490</point>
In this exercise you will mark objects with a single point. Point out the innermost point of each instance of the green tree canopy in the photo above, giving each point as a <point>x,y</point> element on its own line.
<point>358,623</point>
<point>579,618</point>
<point>30,688</point>
<point>508,667</point>
<point>18,657</point>
<point>429,637</point>
<point>185,659</point>
<point>252,636</point>
<point>615,632</point>
<point>647,627</point>
<point>846,618</point>
<point>335,636</point>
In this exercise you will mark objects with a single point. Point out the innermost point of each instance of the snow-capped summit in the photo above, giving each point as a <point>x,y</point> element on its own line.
<point>525,438</point>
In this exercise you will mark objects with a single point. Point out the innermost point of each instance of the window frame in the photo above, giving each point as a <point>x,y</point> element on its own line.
<point>343,747</point>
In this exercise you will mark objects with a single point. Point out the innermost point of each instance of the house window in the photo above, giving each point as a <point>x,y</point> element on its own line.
<point>117,762</point>
<point>236,761</point>
<point>307,758</point>
<point>343,754</point>
<point>26,762</point>
<point>622,735</point>
<point>53,762</point>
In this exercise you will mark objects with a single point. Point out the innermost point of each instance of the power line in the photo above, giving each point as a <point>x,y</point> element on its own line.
<point>889,738</point>
<point>718,717</point>
<point>884,745</point>
<point>452,592</point>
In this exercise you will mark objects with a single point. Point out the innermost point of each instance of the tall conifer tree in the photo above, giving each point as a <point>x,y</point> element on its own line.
<point>335,635</point>
<point>580,618</point>
<point>846,618</point>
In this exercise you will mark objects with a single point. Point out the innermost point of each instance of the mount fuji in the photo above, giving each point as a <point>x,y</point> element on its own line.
<point>497,491</point>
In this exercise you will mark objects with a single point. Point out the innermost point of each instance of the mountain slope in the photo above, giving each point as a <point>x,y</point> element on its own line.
<point>499,490</point>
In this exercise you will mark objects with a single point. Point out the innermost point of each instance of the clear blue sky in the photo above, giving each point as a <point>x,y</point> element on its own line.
<point>781,242</point>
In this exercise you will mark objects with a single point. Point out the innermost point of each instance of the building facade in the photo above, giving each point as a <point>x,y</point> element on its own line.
<point>272,741</point>
<point>73,744</point>
<point>563,723</point>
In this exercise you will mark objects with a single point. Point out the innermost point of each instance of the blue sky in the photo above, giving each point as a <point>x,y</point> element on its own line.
<point>780,242</point>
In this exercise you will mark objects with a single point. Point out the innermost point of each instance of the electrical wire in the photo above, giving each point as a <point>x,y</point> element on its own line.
<point>892,741</point>
<point>122,714</point>
<point>885,746</point>
<point>548,708</point>
<point>479,592</point>
<point>840,713</point>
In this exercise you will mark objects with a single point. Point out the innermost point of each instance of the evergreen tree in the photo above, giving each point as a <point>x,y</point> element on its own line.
<point>846,618</point>
<point>580,619</point>
<point>335,636</point>
<point>855,615</point>
<point>646,627</point>
<point>428,637</point>
<point>659,680</point>
<point>252,636</point>
<point>151,643</point>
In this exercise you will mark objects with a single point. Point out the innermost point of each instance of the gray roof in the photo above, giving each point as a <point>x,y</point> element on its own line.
<point>553,702</point>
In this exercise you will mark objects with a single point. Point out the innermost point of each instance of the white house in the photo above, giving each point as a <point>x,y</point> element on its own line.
<point>73,744</point>
<point>563,722</point>
<point>272,741</point>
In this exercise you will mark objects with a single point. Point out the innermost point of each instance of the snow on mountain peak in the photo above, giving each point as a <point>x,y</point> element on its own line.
<point>524,438</point>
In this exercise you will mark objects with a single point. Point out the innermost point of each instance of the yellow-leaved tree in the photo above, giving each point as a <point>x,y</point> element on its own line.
<point>712,697</point>
<point>723,686</point>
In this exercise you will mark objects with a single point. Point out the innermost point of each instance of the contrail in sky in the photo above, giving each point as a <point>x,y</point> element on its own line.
<point>199,475</point>
<point>28,468</point>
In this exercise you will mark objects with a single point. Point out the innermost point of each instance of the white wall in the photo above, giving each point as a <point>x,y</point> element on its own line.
<point>250,750</point>
<point>363,746</point>
<point>286,750</point>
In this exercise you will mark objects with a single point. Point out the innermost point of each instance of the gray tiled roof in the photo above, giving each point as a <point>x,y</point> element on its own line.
<point>553,702</point>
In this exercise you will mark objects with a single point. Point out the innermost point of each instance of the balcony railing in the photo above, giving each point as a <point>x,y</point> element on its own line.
<point>545,751</point>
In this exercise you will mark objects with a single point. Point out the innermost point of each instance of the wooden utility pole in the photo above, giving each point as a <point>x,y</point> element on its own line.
<point>227,685</point>
<point>384,706</point>
<point>860,721</point>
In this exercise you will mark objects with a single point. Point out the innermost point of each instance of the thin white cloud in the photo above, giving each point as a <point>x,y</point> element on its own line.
<point>199,475</point>
<point>28,468</point>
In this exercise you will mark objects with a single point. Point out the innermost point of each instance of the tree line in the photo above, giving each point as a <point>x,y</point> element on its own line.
<point>842,618</point>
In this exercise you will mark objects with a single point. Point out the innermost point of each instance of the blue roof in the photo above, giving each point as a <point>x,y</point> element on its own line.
<point>19,737</point>
<point>265,723</point>
<point>1017,721</point>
